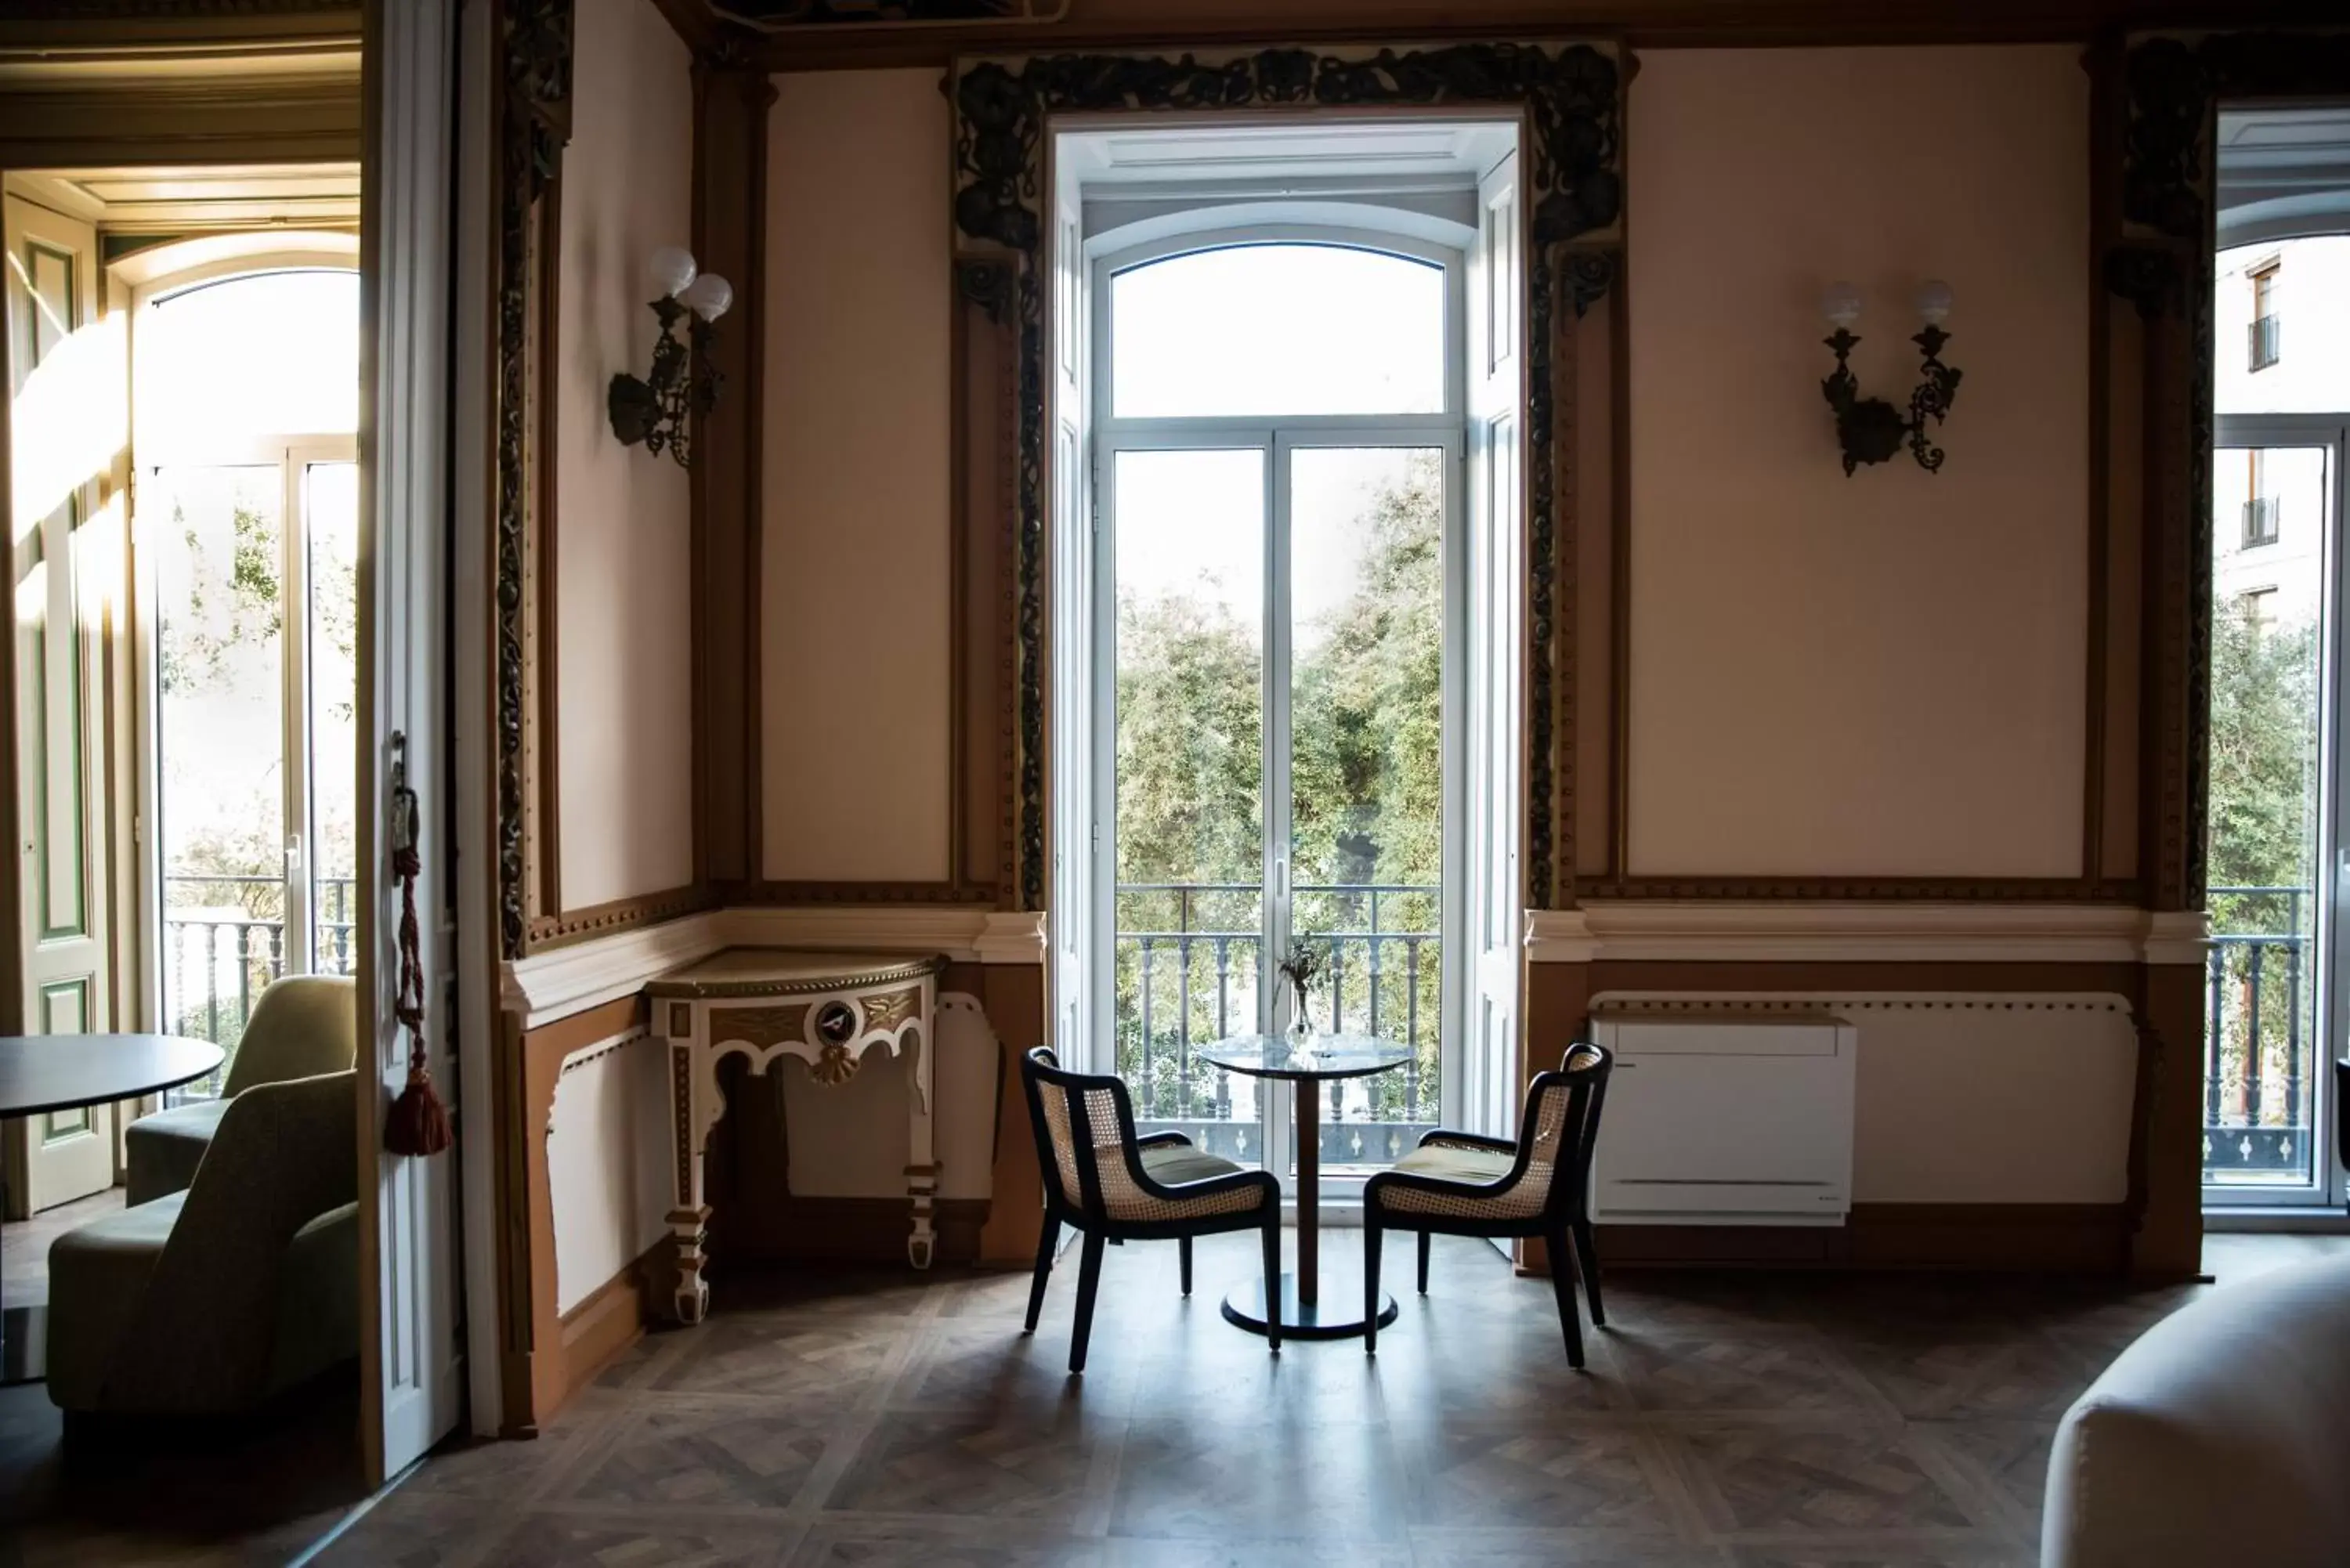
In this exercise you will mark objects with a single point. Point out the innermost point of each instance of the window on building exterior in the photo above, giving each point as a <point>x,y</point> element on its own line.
<point>2264,344</point>
<point>2260,506</point>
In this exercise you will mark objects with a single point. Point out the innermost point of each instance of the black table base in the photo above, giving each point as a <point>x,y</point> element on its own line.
<point>24,1346</point>
<point>1245,1306</point>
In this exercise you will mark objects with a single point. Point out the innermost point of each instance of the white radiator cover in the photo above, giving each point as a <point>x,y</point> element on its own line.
<point>1728,1118</point>
<point>1973,1097</point>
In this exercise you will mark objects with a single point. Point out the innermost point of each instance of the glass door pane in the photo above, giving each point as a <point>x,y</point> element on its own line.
<point>1367,595</point>
<point>2263,1070</point>
<point>331,516</point>
<point>218,541</point>
<point>1187,546</point>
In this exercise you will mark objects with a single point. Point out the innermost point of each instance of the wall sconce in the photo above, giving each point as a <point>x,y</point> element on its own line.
<point>1871,430</point>
<point>656,411</point>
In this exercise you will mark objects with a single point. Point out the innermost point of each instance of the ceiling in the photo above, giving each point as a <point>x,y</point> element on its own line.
<point>2284,172</point>
<point>170,200</point>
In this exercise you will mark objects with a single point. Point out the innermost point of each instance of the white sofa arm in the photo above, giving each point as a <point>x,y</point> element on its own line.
<point>2221,1437</point>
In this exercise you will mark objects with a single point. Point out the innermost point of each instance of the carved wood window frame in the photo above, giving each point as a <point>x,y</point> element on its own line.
<point>2156,162</point>
<point>1570,94</point>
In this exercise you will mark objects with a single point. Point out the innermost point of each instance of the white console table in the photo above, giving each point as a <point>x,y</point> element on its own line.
<point>824,1009</point>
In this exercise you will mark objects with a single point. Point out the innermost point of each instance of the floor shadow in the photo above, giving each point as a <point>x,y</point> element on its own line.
<point>261,1487</point>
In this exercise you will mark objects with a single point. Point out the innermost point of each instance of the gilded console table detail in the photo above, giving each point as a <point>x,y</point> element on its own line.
<point>824,1009</point>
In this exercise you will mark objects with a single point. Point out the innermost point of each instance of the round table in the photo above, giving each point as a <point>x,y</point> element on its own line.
<point>44,1073</point>
<point>1308,1059</point>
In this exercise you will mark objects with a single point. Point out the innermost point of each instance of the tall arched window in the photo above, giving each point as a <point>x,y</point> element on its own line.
<point>1277,419</point>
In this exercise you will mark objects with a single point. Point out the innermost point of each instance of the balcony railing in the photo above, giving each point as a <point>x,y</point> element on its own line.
<point>1190,963</point>
<point>2259,1034</point>
<point>224,941</point>
<point>2262,519</point>
<point>2264,342</point>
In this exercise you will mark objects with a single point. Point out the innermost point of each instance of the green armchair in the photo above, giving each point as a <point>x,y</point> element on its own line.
<point>208,1300</point>
<point>302,1027</point>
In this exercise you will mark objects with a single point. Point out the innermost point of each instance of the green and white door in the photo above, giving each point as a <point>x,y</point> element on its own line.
<point>65,373</point>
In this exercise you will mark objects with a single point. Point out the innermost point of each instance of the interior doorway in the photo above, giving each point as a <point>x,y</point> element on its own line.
<point>183,362</point>
<point>184,394</point>
<point>248,508</point>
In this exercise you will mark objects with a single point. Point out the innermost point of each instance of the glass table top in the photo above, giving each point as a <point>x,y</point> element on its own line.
<point>1308,1056</point>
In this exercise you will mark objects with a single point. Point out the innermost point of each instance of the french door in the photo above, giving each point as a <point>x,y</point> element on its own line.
<point>2276,1014</point>
<point>66,381</point>
<point>1277,615</point>
<point>249,563</point>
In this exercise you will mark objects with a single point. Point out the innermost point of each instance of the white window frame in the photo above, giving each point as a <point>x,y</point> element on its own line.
<point>1278,438</point>
<point>2329,950</point>
<point>223,261</point>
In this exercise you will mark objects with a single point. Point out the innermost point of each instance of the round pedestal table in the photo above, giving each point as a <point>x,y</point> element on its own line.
<point>43,1074</point>
<point>1308,1061</point>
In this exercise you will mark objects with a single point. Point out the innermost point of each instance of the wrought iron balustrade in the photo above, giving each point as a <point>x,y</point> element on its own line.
<point>2265,341</point>
<point>2259,1037</point>
<point>1189,964</point>
<point>2262,520</point>
<point>224,941</point>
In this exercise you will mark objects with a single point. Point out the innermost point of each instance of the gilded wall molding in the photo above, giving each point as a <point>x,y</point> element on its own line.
<point>534,127</point>
<point>534,124</point>
<point>1571,96</point>
<point>779,16</point>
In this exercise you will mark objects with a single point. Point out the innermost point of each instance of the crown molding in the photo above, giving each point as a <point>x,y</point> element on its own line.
<point>556,982</point>
<point>559,982</point>
<point>1720,932</point>
<point>1012,937</point>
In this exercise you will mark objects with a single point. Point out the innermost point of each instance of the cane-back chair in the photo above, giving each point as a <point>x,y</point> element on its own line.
<point>1460,1184</point>
<point>1111,1185</point>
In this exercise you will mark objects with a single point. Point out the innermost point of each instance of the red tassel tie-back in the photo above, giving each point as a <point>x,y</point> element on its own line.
<point>419,1122</point>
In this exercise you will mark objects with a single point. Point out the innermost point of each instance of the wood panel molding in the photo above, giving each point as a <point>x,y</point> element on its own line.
<point>730,235</point>
<point>818,44</point>
<point>534,1371</point>
<point>2042,1237</point>
<point>2162,1178</point>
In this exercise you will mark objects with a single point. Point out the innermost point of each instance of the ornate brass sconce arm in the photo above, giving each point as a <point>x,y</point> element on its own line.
<point>1870,429</point>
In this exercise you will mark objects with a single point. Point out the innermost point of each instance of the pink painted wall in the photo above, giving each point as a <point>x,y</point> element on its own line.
<point>1883,674</point>
<point>622,613</point>
<point>856,677</point>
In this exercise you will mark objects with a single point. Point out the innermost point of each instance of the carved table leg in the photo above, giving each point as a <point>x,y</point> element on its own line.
<point>688,1222</point>
<point>922,1172</point>
<point>689,1228</point>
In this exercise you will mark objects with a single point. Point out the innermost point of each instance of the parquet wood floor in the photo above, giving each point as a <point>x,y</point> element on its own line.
<point>1731,1421</point>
